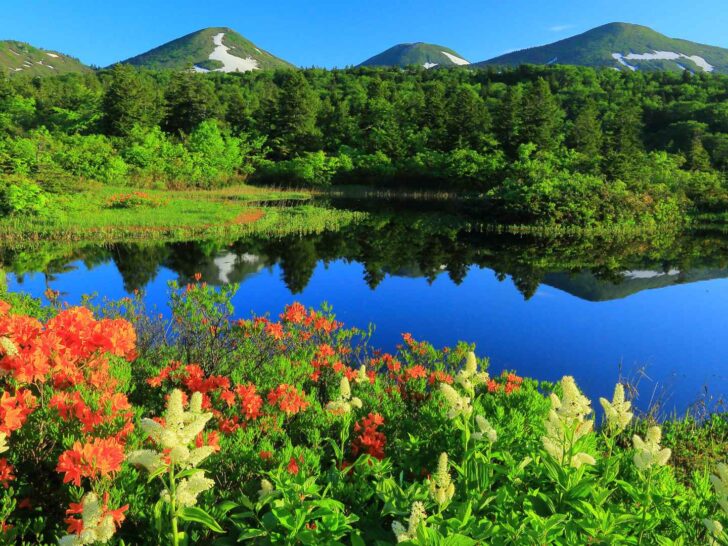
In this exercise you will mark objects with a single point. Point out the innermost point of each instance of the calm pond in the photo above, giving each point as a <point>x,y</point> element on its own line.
<point>654,312</point>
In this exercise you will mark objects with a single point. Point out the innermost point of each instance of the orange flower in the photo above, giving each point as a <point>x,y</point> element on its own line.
<point>288,399</point>
<point>6,473</point>
<point>250,401</point>
<point>274,330</point>
<point>370,440</point>
<point>14,410</point>
<point>98,458</point>
<point>441,377</point>
<point>228,397</point>
<point>292,467</point>
<point>163,374</point>
<point>75,525</point>
<point>295,313</point>
<point>210,439</point>
<point>415,372</point>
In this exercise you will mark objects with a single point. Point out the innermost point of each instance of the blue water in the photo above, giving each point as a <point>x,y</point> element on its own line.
<point>677,334</point>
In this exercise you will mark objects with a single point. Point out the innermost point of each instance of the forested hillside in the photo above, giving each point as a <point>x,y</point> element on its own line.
<point>554,145</point>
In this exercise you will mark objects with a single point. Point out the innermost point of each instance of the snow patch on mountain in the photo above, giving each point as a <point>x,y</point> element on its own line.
<point>429,65</point>
<point>552,61</point>
<point>702,63</point>
<point>455,59</point>
<point>52,55</point>
<point>231,62</point>
<point>620,59</point>
<point>646,274</point>
<point>661,56</point>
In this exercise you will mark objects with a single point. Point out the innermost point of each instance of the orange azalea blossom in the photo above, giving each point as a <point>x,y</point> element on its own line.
<point>440,377</point>
<point>228,426</point>
<point>415,372</point>
<point>274,330</point>
<point>163,374</point>
<point>111,407</point>
<point>219,396</point>
<point>322,324</point>
<point>292,467</point>
<point>512,384</point>
<point>97,458</point>
<point>250,401</point>
<point>75,525</point>
<point>370,440</point>
<point>288,399</point>
<point>228,397</point>
<point>210,439</point>
<point>15,409</point>
<point>6,473</point>
<point>386,361</point>
<point>195,380</point>
<point>295,313</point>
<point>324,357</point>
<point>68,350</point>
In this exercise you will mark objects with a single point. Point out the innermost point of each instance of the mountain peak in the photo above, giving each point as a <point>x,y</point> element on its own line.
<point>21,58</point>
<point>625,47</point>
<point>211,49</point>
<point>417,54</point>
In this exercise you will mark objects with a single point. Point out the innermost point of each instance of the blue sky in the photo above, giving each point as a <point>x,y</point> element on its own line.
<point>338,33</point>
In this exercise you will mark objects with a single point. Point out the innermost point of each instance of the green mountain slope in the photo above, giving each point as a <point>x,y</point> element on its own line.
<point>420,54</point>
<point>624,47</point>
<point>218,49</point>
<point>21,58</point>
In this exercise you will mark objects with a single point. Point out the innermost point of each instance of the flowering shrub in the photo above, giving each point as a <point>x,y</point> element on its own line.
<point>132,200</point>
<point>294,430</point>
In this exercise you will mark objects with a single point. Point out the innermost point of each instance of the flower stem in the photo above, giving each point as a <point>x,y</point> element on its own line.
<point>173,505</point>
<point>645,506</point>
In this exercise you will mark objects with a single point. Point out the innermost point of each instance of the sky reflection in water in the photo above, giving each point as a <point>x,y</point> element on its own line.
<point>677,333</point>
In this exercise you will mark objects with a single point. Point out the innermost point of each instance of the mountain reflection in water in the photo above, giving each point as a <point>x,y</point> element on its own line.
<point>542,307</point>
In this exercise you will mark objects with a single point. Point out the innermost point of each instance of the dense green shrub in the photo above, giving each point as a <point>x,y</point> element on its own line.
<point>215,157</point>
<point>542,188</point>
<point>314,169</point>
<point>21,196</point>
<point>92,157</point>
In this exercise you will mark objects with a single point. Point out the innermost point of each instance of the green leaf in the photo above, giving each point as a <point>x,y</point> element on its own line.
<point>251,533</point>
<point>581,490</point>
<point>187,473</point>
<point>193,513</point>
<point>458,540</point>
<point>157,473</point>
